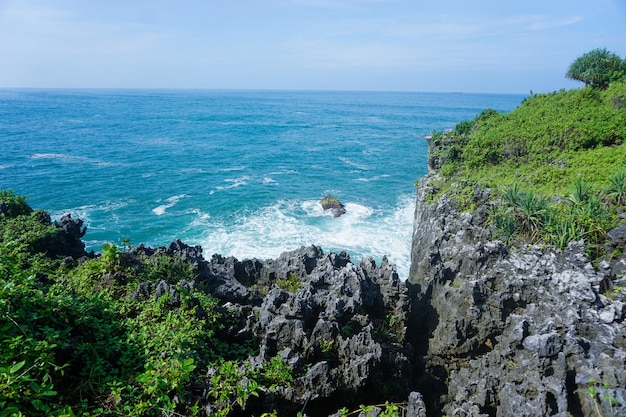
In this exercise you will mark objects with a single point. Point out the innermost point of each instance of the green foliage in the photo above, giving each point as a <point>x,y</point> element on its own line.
<point>110,257</point>
<point>88,338</point>
<point>388,409</point>
<point>601,402</point>
<point>12,205</point>
<point>616,190</point>
<point>545,126</point>
<point>27,230</point>
<point>597,68</point>
<point>558,160</point>
<point>581,215</point>
<point>326,347</point>
<point>72,340</point>
<point>231,386</point>
<point>276,373</point>
<point>289,284</point>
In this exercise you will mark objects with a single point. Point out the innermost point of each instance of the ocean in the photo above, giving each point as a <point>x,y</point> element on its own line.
<point>238,172</point>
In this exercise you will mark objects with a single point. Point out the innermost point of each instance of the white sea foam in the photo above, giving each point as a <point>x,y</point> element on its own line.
<point>235,168</point>
<point>70,158</point>
<point>87,212</point>
<point>170,202</point>
<point>353,164</point>
<point>194,171</point>
<point>269,180</point>
<point>285,172</point>
<point>363,232</point>
<point>375,178</point>
<point>232,183</point>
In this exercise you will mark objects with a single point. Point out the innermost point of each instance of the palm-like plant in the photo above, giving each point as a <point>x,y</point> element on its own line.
<point>580,192</point>
<point>512,194</point>
<point>616,189</point>
<point>531,209</point>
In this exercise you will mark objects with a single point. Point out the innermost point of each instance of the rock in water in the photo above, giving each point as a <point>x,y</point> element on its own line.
<point>333,205</point>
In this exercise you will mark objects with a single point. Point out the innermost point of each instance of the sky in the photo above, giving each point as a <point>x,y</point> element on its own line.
<point>474,46</point>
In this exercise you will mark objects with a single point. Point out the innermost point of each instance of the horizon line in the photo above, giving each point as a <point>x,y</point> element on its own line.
<point>311,90</point>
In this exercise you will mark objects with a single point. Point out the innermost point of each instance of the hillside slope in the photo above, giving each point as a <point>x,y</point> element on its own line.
<point>518,259</point>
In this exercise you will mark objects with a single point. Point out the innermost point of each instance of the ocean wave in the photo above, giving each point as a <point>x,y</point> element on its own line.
<point>375,178</point>
<point>346,161</point>
<point>233,183</point>
<point>363,232</point>
<point>235,168</point>
<point>285,172</point>
<point>70,158</point>
<point>87,212</point>
<point>171,202</point>
<point>194,171</point>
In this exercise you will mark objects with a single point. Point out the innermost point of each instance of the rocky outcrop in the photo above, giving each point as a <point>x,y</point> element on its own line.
<point>524,332</point>
<point>341,326</point>
<point>66,241</point>
<point>333,206</point>
<point>478,329</point>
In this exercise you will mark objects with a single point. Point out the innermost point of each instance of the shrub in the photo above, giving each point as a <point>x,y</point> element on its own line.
<point>12,205</point>
<point>289,284</point>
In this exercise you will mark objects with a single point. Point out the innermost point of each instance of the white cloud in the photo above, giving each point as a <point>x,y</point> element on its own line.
<point>545,23</point>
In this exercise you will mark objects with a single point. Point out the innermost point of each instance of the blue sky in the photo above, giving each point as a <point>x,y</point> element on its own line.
<point>396,45</point>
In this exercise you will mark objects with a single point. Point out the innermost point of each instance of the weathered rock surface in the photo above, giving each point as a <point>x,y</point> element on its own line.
<point>342,326</point>
<point>333,205</point>
<point>477,329</point>
<point>513,333</point>
<point>67,241</point>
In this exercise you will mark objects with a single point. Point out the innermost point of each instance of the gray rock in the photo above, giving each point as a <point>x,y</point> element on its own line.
<point>415,406</point>
<point>519,333</point>
<point>333,205</point>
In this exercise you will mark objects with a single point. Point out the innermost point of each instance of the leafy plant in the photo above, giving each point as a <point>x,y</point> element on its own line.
<point>289,284</point>
<point>231,386</point>
<point>110,257</point>
<point>594,393</point>
<point>616,190</point>
<point>276,373</point>
<point>12,205</point>
<point>388,409</point>
<point>326,347</point>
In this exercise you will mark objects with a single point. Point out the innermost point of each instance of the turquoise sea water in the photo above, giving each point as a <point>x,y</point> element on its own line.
<point>238,172</point>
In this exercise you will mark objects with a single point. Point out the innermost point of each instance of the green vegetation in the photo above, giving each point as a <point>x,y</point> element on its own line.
<point>289,284</point>
<point>606,401</point>
<point>87,338</point>
<point>598,68</point>
<point>387,409</point>
<point>557,164</point>
<point>119,335</point>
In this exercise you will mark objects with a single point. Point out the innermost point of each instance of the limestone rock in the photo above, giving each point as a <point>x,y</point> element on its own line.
<point>333,205</point>
<point>510,333</point>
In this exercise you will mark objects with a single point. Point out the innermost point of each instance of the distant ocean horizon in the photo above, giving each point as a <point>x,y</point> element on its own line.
<point>239,172</point>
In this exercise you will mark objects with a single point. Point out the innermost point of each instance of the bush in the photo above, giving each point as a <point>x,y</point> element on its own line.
<point>12,205</point>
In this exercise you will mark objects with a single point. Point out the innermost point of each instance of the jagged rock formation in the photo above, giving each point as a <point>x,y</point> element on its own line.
<point>478,329</point>
<point>341,326</point>
<point>66,242</point>
<point>512,333</point>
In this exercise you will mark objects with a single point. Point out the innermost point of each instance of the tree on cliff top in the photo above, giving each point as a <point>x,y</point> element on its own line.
<point>597,68</point>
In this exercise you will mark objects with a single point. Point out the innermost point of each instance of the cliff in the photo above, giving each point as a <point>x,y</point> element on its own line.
<point>529,331</point>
